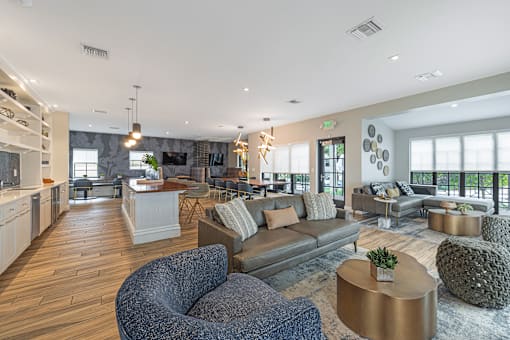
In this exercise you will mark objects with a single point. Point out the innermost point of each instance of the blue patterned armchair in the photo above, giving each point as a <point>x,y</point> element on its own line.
<point>188,295</point>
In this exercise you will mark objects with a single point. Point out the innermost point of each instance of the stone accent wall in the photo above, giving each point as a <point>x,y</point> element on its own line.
<point>8,162</point>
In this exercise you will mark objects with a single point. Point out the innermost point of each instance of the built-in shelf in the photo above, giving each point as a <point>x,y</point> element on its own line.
<point>12,125</point>
<point>16,147</point>
<point>45,138</point>
<point>13,104</point>
<point>45,124</point>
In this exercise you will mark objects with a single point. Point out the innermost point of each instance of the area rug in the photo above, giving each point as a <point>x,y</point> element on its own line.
<point>316,279</point>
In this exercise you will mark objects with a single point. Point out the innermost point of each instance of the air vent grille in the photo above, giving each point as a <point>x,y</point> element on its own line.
<point>366,29</point>
<point>94,51</point>
<point>429,75</point>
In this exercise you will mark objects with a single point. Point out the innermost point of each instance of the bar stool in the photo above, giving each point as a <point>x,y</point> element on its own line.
<point>82,184</point>
<point>231,190</point>
<point>117,186</point>
<point>200,193</point>
<point>219,186</point>
<point>245,191</point>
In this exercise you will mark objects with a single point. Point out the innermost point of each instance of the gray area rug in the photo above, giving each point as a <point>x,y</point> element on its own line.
<point>316,279</point>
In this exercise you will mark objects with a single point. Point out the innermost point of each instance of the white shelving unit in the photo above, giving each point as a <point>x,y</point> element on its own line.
<point>28,133</point>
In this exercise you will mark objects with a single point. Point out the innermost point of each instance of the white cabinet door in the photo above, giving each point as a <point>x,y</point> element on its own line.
<point>45,215</point>
<point>23,232</point>
<point>8,242</point>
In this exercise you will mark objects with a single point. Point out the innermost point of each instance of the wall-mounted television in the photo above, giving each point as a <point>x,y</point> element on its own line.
<point>174,158</point>
<point>215,159</point>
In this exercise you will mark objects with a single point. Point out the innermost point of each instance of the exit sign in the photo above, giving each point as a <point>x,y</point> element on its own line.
<point>328,124</point>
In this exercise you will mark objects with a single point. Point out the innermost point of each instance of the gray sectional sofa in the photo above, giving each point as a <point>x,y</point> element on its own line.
<point>270,251</point>
<point>425,198</point>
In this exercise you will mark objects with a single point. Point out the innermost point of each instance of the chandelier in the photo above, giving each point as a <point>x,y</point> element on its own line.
<point>266,144</point>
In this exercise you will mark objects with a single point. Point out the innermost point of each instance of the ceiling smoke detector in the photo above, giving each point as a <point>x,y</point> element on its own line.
<point>429,75</point>
<point>94,51</point>
<point>366,29</point>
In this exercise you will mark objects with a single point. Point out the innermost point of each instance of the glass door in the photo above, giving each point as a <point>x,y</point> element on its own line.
<point>332,168</point>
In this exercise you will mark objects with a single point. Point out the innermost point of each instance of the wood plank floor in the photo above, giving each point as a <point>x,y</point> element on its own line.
<point>64,285</point>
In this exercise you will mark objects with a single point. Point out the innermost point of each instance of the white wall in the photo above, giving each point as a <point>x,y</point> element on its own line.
<point>60,146</point>
<point>369,171</point>
<point>350,126</point>
<point>402,137</point>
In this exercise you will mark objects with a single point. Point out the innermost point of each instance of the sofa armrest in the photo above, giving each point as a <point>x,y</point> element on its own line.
<point>210,232</point>
<point>423,189</point>
<point>344,214</point>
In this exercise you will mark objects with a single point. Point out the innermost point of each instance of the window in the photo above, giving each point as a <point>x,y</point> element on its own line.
<point>503,151</point>
<point>281,160</point>
<point>135,160</point>
<point>448,154</point>
<point>84,162</point>
<point>300,159</point>
<point>448,183</point>
<point>422,155</point>
<point>421,177</point>
<point>479,153</point>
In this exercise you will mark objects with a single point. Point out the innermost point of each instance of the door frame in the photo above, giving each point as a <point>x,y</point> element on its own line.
<point>320,159</point>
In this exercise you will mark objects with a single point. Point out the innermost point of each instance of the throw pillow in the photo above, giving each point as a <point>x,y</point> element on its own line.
<point>279,218</point>
<point>319,206</point>
<point>236,217</point>
<point>405,188</point>
<point>378,189</point>
<point>393,192</point>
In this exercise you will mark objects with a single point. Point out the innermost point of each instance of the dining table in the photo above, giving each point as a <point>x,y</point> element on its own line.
<point>262,184</point>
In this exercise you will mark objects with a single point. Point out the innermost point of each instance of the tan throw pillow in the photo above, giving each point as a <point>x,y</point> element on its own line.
<point>393,192</point>
<point>281,217</point>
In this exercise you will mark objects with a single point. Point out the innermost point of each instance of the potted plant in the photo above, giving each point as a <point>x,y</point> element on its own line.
<point>152,171</point>
<point>464,208</point>
<point>382,264</point>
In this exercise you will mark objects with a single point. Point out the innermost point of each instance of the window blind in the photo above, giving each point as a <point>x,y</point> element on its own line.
<point>422,155</point>
<point>84,155</point>
<point>281,159</point>
<point>503,151</point>
<point>479,153</point>
<point>448,154</point>
<point>266,168</point>
<point>300,158</point>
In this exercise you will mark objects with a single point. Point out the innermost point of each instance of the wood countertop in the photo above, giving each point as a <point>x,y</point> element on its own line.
<point>148,188</point>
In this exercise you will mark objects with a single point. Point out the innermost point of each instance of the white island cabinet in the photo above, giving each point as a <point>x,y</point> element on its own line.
<point>152,211</point>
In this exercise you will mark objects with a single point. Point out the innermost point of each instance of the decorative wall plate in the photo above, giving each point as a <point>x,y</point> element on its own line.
<point>379,165</point>
<point>378,153</point>
<point>379,138</point>
<point>372,158</point>
<point>373,146</point>
<point>371,131</point>
<point>366,145</point>
<point>386,155</point>
<point>386,170</point>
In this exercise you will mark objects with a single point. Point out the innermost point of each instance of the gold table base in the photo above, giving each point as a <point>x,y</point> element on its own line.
<point>454,223</point>
<point>403,309</point>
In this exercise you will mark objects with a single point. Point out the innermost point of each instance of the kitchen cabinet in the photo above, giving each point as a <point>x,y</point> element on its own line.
<point>45,212</point>
<point>23,225</point>
<point>7,235</point>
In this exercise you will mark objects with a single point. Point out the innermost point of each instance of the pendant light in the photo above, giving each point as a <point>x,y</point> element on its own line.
<point>137,127</point>
<point>132,140</point>
<point>127,139</point>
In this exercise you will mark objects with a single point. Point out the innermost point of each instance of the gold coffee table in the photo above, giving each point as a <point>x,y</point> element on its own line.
<point>454,223</point>
<point>403,309</point>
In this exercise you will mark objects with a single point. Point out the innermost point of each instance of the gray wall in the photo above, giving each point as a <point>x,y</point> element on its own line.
<point>402,138</point>
<point>114,157</point>
<point>8,162</point>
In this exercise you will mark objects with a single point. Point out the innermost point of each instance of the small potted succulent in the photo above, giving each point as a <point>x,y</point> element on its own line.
<point>464,208</point>
<point>382,264</point>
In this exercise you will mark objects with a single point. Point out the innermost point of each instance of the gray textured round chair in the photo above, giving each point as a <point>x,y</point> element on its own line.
<point>189,295</point>
<point>476,271</point>
<point>496,229</point>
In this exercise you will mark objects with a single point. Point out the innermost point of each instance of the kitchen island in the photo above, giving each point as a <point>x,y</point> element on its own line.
<point>152,210</point>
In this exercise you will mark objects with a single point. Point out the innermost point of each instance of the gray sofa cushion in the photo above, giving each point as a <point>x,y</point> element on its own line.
<point>257,207</point>
<point>408,202</point>
<point>367,190</point>
<point>295,201</point>
<point>237,298</point>
<point>326,231</point>
<point>272,246</point>
<point>485,205</point>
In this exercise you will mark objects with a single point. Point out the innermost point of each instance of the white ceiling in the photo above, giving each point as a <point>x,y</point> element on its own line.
<point>484,107</point>
<point>194,57</point>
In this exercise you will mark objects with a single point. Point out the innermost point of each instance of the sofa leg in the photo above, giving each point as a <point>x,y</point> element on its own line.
<point>355,246</point>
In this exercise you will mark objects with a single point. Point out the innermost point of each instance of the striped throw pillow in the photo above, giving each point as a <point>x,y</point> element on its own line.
<point>236,217</point>
<point>319,206</point>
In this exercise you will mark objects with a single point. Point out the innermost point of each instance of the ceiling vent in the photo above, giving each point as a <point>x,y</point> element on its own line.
<point>365,29</point>
<point>94,51</point>
<point>429,75</point>
<point>104,112</point>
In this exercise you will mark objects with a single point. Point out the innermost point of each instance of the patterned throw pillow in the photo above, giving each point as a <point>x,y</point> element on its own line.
<point>405,188</point>
<point>319,206</point>
<point>378,189</point>
<point>236,217</point>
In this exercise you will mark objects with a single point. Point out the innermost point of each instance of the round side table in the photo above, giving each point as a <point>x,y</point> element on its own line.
<point>385,222</point>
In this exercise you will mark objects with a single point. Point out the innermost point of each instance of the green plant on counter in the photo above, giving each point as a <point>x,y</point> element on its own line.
<point>383,258</point>
<point>151,160</point>
<point>464,208</point>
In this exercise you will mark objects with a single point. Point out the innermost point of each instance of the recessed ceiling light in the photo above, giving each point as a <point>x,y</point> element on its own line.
<point>454,105</point>
<point>220,126</point>
<point>294,101</point>
<point>186,122</point>
<point>55,106</point>
<point>246,89</point>
<point>394,57</point>
<point>266,119</point>
<point>33,81</point>
<point>167,133</point>
<point>240,127</point>
<point>90,125</point>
